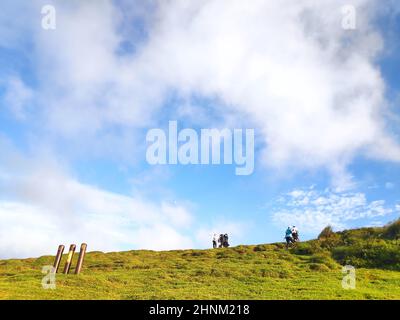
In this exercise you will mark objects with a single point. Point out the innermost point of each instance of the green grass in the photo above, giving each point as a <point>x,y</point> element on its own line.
<point>311,270</point>
<point>243,272</point>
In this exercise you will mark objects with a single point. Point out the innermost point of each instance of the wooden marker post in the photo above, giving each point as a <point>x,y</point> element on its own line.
<point>69,258</point>
<point>58,258</point>
<point>80,259</point>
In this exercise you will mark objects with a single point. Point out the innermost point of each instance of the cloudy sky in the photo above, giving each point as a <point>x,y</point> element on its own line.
<point>77,101</point>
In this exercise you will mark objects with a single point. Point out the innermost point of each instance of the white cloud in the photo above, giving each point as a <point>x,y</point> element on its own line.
<point>288,68</point>
<point>311,88</point>
<point>28,230</point>
<point>17,97</point>
<point>312,210</point>
<point>62,210</point>
<point>389,185</point>
<point>177,215</point>
<point>103,87</point>
<point>15,24</point>
<point>42,206</point>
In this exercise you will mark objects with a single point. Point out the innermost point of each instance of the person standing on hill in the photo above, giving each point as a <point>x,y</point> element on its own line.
<point>221,240</point>
<point>288,236</point>
<point>226,238</point>
<point>214,240</point>
<point>295,234</point>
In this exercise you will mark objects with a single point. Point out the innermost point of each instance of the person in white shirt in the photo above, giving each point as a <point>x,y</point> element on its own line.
<point>215,240</point>
<point>295,233</point>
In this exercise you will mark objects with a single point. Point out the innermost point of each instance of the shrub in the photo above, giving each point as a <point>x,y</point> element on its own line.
<point>330,242</point>
<point>326,233</point>
<point>374,254</point>
<point>392,231</point>
<point>307,248</point>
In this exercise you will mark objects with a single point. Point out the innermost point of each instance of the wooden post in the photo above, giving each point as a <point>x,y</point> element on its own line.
<point>80,259</point>
<point>69,258</point>
<point>58,258</point>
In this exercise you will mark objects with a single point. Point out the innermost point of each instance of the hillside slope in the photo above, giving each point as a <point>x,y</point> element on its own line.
<point>309,271</point>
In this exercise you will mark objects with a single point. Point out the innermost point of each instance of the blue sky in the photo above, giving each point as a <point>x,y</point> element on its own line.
<point>77,102</point>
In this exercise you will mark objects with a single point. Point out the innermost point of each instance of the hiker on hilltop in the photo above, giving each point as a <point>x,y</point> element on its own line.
<point>226,238</point>
<point>215,240</point>
<point>295,234</point>
<point>221,240</point>
<point>288,236</point>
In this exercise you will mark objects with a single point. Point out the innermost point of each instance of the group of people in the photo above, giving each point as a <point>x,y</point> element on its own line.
<point>291,235</point>
<point>220,241</point>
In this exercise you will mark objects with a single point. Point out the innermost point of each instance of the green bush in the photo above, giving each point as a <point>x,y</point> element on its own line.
<point>307,248</point>
<point>326,233</point>
<point>374,254</point>
<point>392,231</point>
<point>330,242</point>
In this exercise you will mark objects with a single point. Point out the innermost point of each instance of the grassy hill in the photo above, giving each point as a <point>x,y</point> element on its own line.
<point>311,270</point>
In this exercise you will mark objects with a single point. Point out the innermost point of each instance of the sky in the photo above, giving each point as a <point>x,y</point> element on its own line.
<point>78,100</point>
